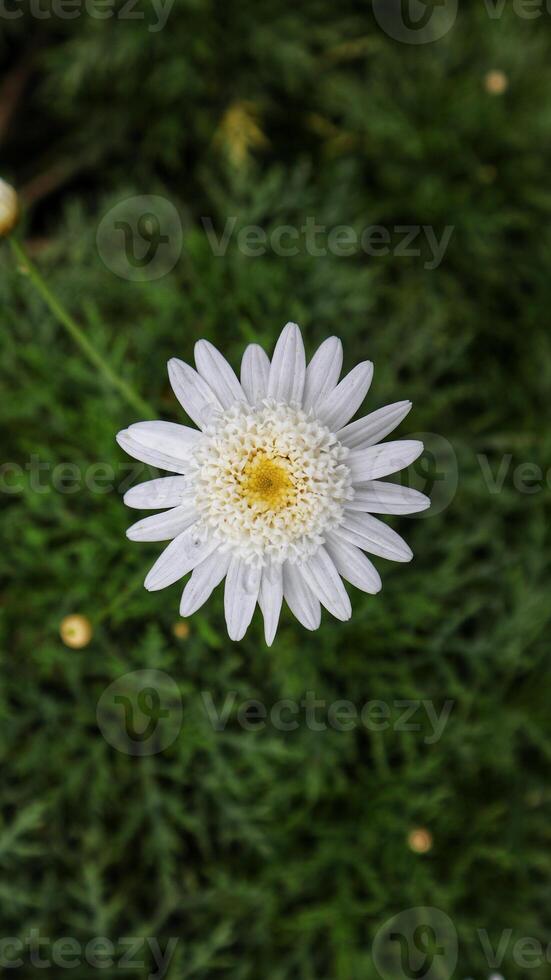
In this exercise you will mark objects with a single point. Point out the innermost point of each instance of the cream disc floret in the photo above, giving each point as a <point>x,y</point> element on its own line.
<point>269,482</point>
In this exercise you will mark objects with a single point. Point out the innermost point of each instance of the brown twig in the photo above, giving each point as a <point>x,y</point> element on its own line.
<point>12,89</point>
<point>47,181</point>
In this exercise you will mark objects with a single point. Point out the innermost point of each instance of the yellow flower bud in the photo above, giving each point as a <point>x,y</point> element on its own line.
<point>420,840</point>
<point>496,82</point>
<point>9,208</point>
<point>181,630</point>
<point>76,631</point>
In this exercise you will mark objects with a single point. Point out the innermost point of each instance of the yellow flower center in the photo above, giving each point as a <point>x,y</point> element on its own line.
<point>266,483</point>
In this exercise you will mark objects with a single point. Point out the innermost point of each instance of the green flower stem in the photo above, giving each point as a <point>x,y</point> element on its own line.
<point>77,334</point>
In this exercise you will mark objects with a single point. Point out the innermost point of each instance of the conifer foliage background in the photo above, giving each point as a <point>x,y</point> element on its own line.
<point>267,853</point>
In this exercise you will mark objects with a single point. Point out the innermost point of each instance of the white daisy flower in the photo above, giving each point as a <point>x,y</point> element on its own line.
<point>275,490</point>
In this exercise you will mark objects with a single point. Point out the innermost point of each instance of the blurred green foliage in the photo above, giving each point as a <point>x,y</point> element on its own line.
<point>272,854</point>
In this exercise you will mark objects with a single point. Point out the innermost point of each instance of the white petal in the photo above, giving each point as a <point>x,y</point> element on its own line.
<point>218,374</point>
<point>301,601</point>
<point>337,407</point>
<point>204,579</point>
<point>322,373</point>
<point>382,460</point>
<point>181,555</point>
<point>167,438</point>
<point>379,497</point>
<point>163,527</point>
<point>149,456</point>
<point>288,367</point>
<point>255,373</point>
<point>167,491</point>
<point>353,564</point>
<point>270,598</point>
<point>323,579</point>
<point>192,391</point>
<point>240,595</point>
<point>140,443</point>
<point>371,535</point>
<point>375,427</point>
